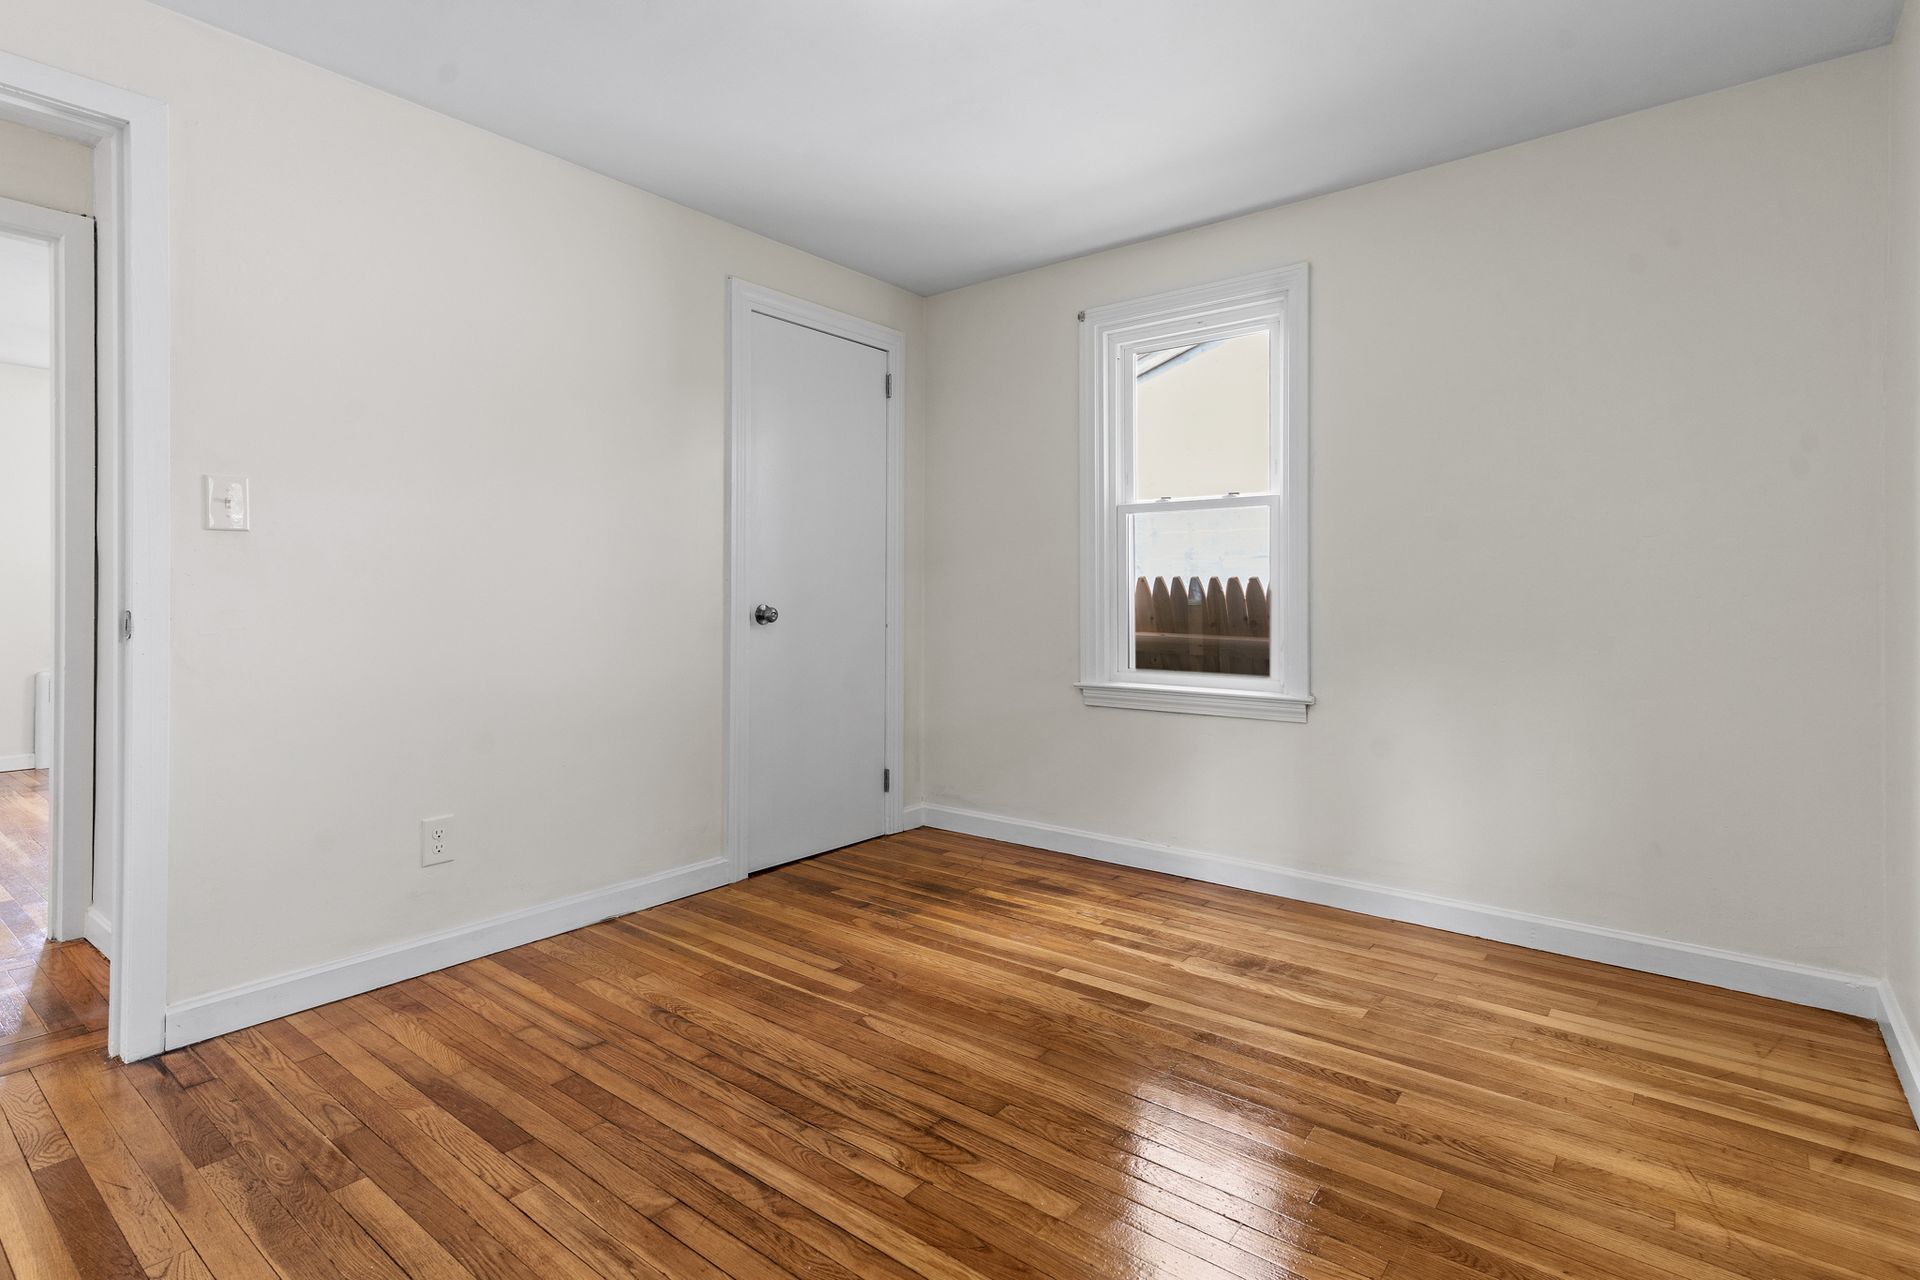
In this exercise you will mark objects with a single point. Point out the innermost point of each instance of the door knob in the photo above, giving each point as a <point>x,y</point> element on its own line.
<point>765,613</point>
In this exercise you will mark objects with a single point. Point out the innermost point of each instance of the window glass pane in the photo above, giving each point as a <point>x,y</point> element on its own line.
<point>1200,419</point>
<point>1200,590</point>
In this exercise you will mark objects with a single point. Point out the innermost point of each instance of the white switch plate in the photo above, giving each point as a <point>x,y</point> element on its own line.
<point>436,840</point>
<point>229,503</point>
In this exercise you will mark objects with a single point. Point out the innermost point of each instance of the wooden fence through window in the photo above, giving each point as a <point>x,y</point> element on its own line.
<point>1184,626</point>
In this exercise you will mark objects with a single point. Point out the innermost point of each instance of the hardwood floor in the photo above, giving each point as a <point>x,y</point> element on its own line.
<point>937,1056</point>
<point>53,995</point>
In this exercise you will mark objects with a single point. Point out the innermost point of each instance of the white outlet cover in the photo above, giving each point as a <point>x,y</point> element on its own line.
<point>436,840</point>
<point>229,503</point>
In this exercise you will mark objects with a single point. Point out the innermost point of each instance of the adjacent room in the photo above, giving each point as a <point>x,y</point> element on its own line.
<point>53,970</point>
<point>1273,639</point>
<point>26,599</point>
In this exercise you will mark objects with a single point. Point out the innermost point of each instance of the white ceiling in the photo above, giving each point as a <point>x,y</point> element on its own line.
<point>26,302</point>
<point>935,143</point>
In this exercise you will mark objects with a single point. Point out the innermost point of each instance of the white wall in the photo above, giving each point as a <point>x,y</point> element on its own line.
<point>1903,535</point>
<point>1597,535</point>
<point>479,392</point>
<point>26,549</point>
<point>55,173</point>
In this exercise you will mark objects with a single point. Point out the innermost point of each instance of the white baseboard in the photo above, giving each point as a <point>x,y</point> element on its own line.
<point>1856,994</point>
<point>99,931</point>
<point>223,1011</point>
<point>1902,1047</point>
<point>10,763</point>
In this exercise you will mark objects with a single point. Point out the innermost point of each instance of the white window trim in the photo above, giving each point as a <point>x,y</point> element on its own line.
<point>1107,678</point>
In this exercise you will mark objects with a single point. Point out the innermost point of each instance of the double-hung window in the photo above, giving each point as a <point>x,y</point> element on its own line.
<point>1194,500</point>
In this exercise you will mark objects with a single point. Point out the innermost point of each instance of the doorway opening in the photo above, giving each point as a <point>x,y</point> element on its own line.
<point>54,940</point>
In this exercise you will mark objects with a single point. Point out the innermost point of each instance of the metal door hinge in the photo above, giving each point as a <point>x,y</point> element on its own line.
<point>889,386</point>
<point>886,781</point>
<point>126,625</point>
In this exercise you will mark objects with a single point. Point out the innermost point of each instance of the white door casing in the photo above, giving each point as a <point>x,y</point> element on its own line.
<point>133,406</point>
<point>813,705</point>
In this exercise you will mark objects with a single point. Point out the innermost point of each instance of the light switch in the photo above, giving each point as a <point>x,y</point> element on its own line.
<point>229,505</point>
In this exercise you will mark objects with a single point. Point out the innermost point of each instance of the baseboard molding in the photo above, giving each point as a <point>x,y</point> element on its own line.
<point>99,931</point>
<point>9,764</point>
<point>245,1006</point>
<point>1902,1047</point>
<point>1849,993</point>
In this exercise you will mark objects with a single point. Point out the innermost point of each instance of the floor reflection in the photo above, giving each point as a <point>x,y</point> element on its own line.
<point>52,994</point>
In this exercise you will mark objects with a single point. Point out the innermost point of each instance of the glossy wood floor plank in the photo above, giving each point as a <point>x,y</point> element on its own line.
<point>53,995</point>
<point>935,1056</point>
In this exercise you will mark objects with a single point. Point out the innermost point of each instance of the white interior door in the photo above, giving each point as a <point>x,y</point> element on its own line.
<point>817,585</point>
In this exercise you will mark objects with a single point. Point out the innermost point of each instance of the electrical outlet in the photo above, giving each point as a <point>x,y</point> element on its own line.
<point>436,840</point>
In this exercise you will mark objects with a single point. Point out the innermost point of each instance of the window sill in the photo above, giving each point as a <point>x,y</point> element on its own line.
<point>1237,703</point>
